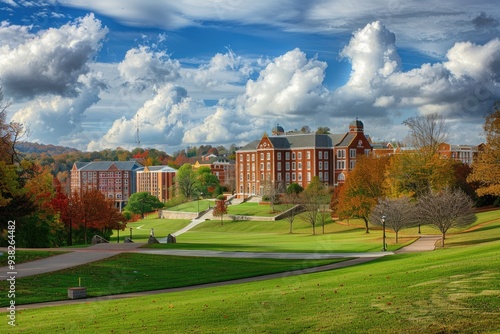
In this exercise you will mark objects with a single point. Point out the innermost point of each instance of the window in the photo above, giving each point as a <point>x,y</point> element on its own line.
<point>253,157</point>
<point>293,177</point>
<point>278,156</point>
<point>352,153</point>
<point>253,165</point>
<point>279,166</point>
<point>340,164</point>
<point>262,156</point>
<point>320,155</point>
<point>300,176</point>
<point>308,176</point>
<point>300,165</point>
<point>326,154</point>
<point>320,176</point>
<point>299,155</point>
<point>367,151</point>
<point>287,166</point>
<point>341,177</point>
<point>268,156</point>
<point>287,177</point>
<point>262,176</point>
<point>320,165</point>
<point>241,177</point>
<point>325,165</point>
<point>308,154</point>
<point>325,178</point>
<point>352,163</point>
<point>293,156</point>
<point>279,176</point>
<point>248,166</point>
<point>248,157</point>
<point>341,154</point>
<point>287,155</point>
<point>308,165</point>
<point>293,165</point>
<point>248,176</point>
<point>261,166</point>
<point>268,166</point>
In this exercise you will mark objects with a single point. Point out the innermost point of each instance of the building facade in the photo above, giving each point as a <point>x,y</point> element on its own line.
<point>116,180</point>
<point>158,181</point>
<point>221,167</point>
<point>462,153</point>
<point>274,162</point>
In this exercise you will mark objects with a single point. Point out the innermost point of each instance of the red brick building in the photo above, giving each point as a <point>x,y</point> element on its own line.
<point>277,161</point>
<point>158,181</point>
<point>115,179</point>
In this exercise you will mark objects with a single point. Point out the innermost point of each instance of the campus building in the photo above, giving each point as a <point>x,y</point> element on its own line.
<point>116,180</point>
<point>462,153</point>
<point>278,160</point>
<point>158,181</point>
<point>221,167</point>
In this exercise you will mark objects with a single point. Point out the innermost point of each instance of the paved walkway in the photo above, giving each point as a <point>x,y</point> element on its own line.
<point>78,256</point>
<point>194,222</point>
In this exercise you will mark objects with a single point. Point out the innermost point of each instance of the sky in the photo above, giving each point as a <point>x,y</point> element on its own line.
<point>89,73</point>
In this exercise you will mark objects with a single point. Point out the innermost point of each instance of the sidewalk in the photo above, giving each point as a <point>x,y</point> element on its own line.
<point>75,257</point>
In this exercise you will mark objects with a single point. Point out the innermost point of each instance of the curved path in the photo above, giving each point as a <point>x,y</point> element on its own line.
<point>80,256</point>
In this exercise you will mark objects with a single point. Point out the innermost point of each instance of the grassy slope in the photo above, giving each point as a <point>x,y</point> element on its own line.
<point>451,290</point>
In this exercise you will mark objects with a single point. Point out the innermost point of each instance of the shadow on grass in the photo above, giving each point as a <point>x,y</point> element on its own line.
<point>471,242</point>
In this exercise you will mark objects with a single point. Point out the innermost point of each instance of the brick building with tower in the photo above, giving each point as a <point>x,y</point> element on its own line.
<point>281,159</point>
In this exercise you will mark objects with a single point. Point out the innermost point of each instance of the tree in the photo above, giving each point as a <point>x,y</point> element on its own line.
<point>323,130</point>
<point>185,180</point>
<point>445,209</point>
<point>205,181</point>
<point>427,132</point>
<point>416,173</point>
<point>399,213</point>
<point>486,167</point>
<point>143,202</point>
<point>362,189</point>
<point>290,202</point>
<point>220,209</point>
<point>312,199</point>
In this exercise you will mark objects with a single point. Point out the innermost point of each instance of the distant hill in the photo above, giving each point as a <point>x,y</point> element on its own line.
<point>27,147</point>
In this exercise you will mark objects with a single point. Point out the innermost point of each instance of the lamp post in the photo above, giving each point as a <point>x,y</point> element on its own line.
<point>70,224</point>
<point>384,248</point>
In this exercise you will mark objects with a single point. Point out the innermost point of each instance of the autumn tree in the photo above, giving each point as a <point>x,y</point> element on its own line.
<point>220,209</point>
<point>399,213</point>
<point>486,167</point>
<point>415,173</point>
<point>362,189</point>
<point>445,209</point>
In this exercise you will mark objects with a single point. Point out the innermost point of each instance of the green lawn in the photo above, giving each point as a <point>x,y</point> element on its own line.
<point>450,290</point>
<point>274,236</point>
<point>132,272</point>
<point>193,206</point>
<point>251,209</point>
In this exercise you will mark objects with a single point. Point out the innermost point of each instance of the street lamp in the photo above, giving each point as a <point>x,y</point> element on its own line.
<point>384,248</point>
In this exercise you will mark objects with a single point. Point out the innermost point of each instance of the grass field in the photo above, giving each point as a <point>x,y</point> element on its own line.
<point>450,290</point>
<point>130,272</point>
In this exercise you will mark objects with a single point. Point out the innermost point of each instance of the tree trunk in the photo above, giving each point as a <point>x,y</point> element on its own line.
<point>442,239</point>
<point>396,236</point>
<point>366,225</point>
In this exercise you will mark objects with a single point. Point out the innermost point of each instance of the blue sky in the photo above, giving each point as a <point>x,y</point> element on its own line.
<point>87,73</point>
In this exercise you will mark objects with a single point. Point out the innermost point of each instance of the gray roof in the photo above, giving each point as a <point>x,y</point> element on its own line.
<point>162,168</point>
<point>346,140</point>
<point>308,140</point>
<point>105,165</point>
